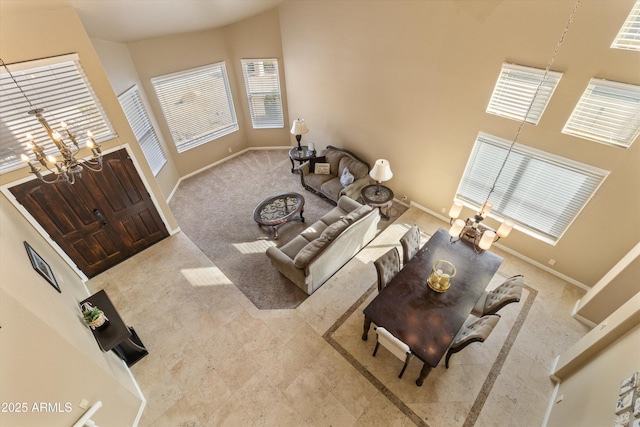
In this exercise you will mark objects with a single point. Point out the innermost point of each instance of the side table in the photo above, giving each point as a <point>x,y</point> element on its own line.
<point>378,196</point>
<point>301,155</point>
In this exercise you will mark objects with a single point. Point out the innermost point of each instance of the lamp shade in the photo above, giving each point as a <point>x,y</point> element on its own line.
<point>381,171</point>
<point>487,239</point>
<point>505,228</point>
<point>299,127</point>
<point>455,210</point>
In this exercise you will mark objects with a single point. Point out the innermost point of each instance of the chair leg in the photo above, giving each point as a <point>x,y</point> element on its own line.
<point>375,350</point>
<point>446,360</point>
<point>406,362</point>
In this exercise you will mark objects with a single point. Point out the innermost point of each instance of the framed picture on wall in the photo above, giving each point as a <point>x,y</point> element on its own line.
<point>41,266</point>
<point>628,383</point>
<point>625,402</point>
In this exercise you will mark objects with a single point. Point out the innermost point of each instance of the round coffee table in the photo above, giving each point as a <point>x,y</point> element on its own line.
<point>279,209</point>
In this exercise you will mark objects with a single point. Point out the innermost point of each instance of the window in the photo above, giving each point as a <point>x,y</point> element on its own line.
<point>629,35</point>
<point>515,89</point>
<point>59,86</point>
<point>608,112</point>
<point>541,192</point>
<point>197,105</point>
<point>263,90</point>
<point>145,133</point>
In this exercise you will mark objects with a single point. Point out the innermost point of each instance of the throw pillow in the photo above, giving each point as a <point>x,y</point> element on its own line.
<point>313,161</point>
<point>323,169</point>
<point>334,230</point>
<point>346,178</point>
<point>309,252</point>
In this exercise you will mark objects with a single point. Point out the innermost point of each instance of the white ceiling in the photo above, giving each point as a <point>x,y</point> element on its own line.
<point>130,20</point>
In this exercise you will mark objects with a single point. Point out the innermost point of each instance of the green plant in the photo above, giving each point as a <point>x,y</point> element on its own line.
<point>92,315</point>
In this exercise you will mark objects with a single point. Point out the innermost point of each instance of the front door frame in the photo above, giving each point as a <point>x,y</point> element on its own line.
<point>5,190</point>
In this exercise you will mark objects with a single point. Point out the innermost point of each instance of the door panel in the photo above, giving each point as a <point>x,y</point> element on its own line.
<point>102,219</point>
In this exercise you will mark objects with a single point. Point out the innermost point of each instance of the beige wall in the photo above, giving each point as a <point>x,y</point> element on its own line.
<point>592,369</point>
<point>48,354</point>
<point>122,74</point>
<point>255,37</point>
<point>410,81</point>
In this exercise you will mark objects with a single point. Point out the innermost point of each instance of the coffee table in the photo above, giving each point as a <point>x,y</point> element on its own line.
<point>279,209</point>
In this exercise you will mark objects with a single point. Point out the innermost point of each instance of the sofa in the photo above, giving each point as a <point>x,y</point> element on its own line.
<point>329,185</point>
<point>314,255</point>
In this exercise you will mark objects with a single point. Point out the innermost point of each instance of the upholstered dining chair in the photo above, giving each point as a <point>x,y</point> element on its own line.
<point>410,242</point>
<point>387,266</point>
<point>394,345</point>
<point>477,331</point>
<point>492,301</point>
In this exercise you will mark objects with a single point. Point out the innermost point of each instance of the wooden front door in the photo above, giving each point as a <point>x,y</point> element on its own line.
<point>102,219</point>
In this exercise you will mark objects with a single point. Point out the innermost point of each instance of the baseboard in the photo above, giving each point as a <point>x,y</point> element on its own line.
<point>175,187</point>
<point>550,406</point>
<point>514,253</point>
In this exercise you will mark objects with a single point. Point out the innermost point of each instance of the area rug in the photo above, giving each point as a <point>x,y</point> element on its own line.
<point>456,394</point>
<point>215,210</point>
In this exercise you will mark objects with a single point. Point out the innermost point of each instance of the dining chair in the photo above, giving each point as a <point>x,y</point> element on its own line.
<point>394,345</point>
<point>477,331</point>
<point>410,242</point>
<point>387,266</point>
<point>492,301</point>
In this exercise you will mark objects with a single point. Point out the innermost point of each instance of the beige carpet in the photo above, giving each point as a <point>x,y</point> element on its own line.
<point>215,210</point>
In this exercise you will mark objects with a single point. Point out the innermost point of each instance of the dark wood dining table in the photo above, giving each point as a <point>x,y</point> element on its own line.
<point>426,320</point>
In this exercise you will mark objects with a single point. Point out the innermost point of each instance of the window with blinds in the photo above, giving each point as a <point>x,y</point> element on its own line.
<point>514,92</point>
<point>197,105</point>
<point>59,86</point>
<point>629,35</point>
<point>262,82</point>
<point>143,129</point>
<point>541,192</point>
<point>608,112</point>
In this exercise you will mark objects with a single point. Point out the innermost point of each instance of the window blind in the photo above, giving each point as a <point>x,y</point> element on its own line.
<point>262,83</point>
<point>629,35</point>
<point>541,192</point>
<point>197,105</point>
<point>515,89</point>
<point>136,113</point>
<point>59,86</point>
<point>608,112</point>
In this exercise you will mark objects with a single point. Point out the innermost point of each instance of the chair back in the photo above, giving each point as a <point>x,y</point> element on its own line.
<point>395,346</point>
<point>410,242</point>
<point>387,266</point>
<point>477,331</point>
<point>509,291</point>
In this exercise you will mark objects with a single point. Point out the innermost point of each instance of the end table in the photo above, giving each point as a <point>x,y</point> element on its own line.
<point>301,155</point>
<point>378,196</point>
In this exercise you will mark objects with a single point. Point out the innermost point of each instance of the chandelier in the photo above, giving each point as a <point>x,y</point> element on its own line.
<point>68,168</point>
<point>473,230</point>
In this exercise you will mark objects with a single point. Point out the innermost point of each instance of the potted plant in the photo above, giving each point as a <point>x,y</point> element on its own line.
<point>94,317</point>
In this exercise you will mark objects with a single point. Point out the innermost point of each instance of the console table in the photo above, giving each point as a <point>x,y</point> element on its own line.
<point>116,336</point>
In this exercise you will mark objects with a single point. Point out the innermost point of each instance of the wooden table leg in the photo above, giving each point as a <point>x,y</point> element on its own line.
<point>423,374</point>
<point>367,325</point>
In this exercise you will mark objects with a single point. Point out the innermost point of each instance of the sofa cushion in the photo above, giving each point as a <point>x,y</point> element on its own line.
<point>314,160</point>
<point>335,214</point>
<point>309,251</point>
<point>314,231</point>
<point>334,230</point>
<point>294,246</point>
<point>333,158</point>
<point>316,181</point>
<point>355,215</point>
<point>357,169</point>
<point>332,188</point>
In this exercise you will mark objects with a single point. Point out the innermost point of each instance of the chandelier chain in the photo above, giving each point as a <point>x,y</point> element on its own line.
<point>535,95</point>
<point>17,85</point>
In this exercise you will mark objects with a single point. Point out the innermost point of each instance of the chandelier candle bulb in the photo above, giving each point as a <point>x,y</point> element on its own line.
<point>456,228</point>
<point>455,210</point>
<point>505,228</point>
<point>486,208</point>
<point>487,239</point>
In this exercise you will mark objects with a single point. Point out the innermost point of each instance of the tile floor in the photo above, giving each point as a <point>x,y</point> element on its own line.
<point>215,360</point>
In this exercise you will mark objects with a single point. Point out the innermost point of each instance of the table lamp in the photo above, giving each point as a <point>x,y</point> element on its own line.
<point>298,129</point>
<point>381,172</point>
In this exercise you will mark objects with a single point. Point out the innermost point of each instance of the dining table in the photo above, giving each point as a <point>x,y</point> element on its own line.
<point>425,319</point>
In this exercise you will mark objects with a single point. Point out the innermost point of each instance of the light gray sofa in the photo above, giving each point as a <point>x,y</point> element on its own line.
<point>319,251</point>
<point>328,185</point>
